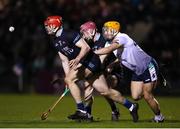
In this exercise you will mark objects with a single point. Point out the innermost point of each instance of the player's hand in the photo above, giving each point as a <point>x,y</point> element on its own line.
<point>73,63</point>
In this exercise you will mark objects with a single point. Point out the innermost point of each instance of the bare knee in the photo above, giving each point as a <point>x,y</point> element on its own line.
<point>136,97</point>
<point>136,90</point>
<point>105,93</point>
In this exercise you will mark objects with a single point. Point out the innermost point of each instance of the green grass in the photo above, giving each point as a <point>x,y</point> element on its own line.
<point>25,110</point>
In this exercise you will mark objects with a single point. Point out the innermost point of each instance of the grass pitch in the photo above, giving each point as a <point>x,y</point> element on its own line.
<point>23,111</point>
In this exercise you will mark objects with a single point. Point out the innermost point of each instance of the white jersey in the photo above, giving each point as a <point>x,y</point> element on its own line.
<point>131,55</point>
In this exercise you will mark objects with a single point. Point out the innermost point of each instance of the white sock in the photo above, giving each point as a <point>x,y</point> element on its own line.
<point>131,108</point>
<point>82,111</point>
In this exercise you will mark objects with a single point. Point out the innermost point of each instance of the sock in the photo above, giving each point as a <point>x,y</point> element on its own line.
<point>80,106</point>
<point>128,104</point>
<point>88,109</point>
<point>113,107</point>
<point>158,113</point>
<point>112,104</point>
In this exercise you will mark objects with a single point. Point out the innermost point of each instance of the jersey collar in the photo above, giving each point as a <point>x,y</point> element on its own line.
<point>97,36</point>
<point>59,32</point>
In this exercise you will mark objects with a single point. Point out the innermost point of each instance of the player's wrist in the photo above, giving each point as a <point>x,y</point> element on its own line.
<point>78,59</point>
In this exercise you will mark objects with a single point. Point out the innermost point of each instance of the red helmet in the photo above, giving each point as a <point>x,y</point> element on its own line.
<point>52,24</point>
<point>87,25</point>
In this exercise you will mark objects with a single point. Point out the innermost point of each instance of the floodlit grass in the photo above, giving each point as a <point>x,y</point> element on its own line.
<point>25,110</point>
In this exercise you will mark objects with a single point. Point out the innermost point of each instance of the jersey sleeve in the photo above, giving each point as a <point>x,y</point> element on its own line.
<point>122,40</point>
<point>75,37</point>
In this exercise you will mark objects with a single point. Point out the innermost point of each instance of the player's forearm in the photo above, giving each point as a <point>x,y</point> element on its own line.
<point>84,51</point>
<point>103,51</point>
<point>109,49</point>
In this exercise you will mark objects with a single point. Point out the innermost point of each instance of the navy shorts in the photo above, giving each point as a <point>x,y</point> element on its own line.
<point>149,75</point>
<point>93,63</point>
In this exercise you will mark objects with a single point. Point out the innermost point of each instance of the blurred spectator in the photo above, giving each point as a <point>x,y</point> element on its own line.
<point>153,23</point>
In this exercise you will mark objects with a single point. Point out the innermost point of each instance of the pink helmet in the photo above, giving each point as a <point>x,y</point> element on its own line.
<point>87,25</point>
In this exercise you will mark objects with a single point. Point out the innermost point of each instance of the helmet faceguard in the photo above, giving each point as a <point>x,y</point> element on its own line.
<point>88,30</point>
<point>52,24</point>
<point>110,29</point>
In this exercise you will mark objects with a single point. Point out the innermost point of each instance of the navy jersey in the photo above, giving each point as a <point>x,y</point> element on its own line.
<point>99,43</point>
<point>65,43</point>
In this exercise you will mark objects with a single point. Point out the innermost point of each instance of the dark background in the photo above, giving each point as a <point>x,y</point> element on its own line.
<point>153,24</point>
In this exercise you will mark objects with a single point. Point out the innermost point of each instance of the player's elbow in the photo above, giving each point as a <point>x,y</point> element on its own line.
<point>87,48</point>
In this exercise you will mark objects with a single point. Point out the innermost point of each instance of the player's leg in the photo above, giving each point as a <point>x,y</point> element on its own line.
<point>152,102</point>
<point>88,97</point>
<point>115,112</point>
<point>87,92</point>
<point>112,82</point>
<point>84,71</point>
<point>70,80</point>
<point>150,81</point>
<point>137,89</point>
<point>101,86</point>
